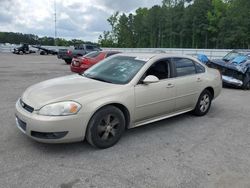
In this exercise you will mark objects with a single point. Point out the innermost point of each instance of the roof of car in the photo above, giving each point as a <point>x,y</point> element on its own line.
<point>149,55</point>
<point>110,51</point>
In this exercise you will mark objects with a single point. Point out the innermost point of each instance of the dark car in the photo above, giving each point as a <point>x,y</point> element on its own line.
<point>23,49</point>
<point>234,67</point>
<point>80,50</point>
<point>80,64</point>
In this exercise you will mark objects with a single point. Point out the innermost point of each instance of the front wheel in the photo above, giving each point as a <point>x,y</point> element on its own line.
<point>203,105</point>
<point>246,86</point>
<point>105,127</point>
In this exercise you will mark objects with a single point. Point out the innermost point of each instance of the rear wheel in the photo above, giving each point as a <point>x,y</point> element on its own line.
<point>42,53</point>
<point>67,61</point>
<point>105,127</point>
<point>203,105</point>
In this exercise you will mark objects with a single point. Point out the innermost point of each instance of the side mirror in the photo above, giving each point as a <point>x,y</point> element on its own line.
<point>150,79</point>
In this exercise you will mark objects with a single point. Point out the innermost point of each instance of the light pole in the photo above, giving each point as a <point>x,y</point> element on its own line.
<point>55,23</point>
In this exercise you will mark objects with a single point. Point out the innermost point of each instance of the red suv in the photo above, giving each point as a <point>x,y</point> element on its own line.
<point>80,64</point>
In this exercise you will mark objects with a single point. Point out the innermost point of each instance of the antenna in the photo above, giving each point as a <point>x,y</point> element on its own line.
<point>55,23</point>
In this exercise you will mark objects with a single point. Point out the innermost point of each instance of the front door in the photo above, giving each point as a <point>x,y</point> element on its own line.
<point>155,99</point>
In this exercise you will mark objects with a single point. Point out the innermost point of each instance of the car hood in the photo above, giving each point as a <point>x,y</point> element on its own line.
<point>232,66</point>
<point>60,89</point>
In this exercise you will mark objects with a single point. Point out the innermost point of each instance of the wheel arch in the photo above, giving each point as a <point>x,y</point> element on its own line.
<point>121,107</point>
<point>211,90</point>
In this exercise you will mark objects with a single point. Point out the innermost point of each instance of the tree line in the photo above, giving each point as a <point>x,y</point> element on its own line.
<point>182,24</point>
<point>17,38</point>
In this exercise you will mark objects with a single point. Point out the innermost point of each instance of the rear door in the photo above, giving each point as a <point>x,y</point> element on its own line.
<point>188,82</point>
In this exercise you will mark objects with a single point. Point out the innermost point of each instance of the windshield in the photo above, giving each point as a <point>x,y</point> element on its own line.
<point>230,56</point>
<point>117,70</point>
<point>92,54</point>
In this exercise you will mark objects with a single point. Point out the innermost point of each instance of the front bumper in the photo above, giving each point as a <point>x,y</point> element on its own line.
<point>232,81</point>
<point>231,76</point>
<point>49,129</point>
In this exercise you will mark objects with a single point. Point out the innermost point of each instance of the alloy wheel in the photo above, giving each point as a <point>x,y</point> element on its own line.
<point>204,103</point>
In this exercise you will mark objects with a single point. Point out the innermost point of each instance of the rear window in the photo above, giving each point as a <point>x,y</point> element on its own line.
<point>89,47</point>
<point>184,66</point>
<point>199,68</point>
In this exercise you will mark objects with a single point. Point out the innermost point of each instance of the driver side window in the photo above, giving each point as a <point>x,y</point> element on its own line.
<point>160,69</point>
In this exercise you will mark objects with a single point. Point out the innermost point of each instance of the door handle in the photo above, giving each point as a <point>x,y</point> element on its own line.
<point>199,79</point>
<point>170,85</point>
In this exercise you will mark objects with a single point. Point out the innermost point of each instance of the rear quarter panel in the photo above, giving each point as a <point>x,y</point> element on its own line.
<point>214,80</point>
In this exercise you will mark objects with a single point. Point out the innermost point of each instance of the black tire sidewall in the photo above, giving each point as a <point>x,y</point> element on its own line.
<point>67,61</point>
<point>92,136</point>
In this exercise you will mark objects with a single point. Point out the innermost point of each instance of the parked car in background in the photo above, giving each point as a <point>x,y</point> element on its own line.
<point>80,50</point>
<point>234,67</point>
<point>23,49</point>
<point>80,64</point>
<point>121,92</point>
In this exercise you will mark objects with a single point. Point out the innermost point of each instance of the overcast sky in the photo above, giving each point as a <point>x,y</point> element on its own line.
<point>84,19</point>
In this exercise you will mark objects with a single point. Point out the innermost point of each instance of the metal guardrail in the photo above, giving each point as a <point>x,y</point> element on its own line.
<point>211,53</point>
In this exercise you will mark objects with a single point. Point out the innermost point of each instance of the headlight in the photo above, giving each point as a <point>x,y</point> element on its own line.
<point>60,109</point>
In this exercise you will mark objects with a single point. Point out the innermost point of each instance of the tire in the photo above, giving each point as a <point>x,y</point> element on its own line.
<point>246,86</point>
<point>42,53</point>
<point>105,127</point>
<point>67,61</point>
<point>203,104</point>
<point>246,80</point>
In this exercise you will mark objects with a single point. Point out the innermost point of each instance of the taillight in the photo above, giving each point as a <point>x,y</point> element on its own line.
<point>75,63</point>
<point>86,61</point>
<point>69,52</point>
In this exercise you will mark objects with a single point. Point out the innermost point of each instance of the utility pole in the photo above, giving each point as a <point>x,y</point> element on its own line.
<point>55,23</point>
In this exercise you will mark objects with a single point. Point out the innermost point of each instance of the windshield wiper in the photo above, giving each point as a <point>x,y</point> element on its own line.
<point>96,78</point>
<point>100,79</point>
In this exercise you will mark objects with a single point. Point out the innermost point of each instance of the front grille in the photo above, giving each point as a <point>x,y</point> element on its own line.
<point>21,124</point>
<point>26,107</point>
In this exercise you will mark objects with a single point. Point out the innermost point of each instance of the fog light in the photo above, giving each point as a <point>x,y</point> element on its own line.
<point>47,135</point>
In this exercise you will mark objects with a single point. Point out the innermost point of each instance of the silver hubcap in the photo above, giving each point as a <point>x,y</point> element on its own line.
<point>204,103</point>
<point>108,127</point>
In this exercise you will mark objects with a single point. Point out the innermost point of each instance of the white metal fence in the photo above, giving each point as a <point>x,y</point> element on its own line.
<point>211,53</point>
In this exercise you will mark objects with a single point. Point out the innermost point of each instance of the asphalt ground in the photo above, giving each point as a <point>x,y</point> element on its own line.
<point>183,152</point>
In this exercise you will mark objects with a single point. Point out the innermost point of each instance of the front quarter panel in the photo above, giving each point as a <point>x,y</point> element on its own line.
<point>91,104</point>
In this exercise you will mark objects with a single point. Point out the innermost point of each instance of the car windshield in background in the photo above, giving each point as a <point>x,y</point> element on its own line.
<point>117,70</point>
<point>231,56</point>
<point>92,54</point>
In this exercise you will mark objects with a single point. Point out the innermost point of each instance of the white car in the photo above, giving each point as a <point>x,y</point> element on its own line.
<point>120,92</point>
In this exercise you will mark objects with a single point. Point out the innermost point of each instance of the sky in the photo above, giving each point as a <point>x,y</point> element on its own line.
<point>82,19</point>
